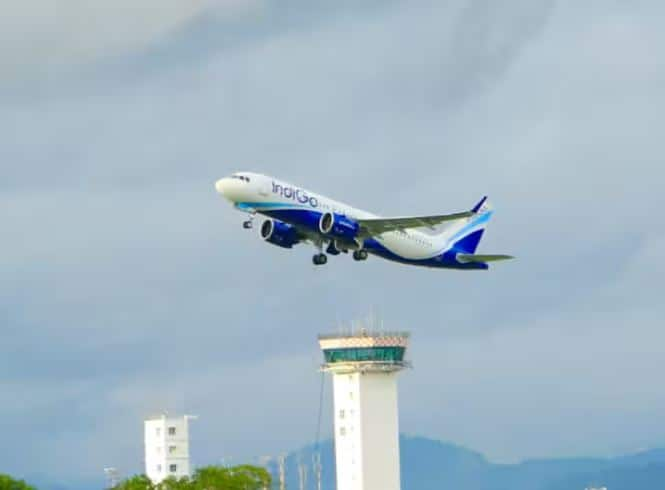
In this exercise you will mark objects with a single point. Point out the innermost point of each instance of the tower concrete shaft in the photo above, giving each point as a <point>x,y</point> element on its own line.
<point>364,368</point>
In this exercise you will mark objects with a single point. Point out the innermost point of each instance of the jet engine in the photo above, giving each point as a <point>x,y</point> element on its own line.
<point>279,233</point>
<point>339,226</point>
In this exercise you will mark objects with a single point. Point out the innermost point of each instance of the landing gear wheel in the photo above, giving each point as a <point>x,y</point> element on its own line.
<point>249,224</point>
<point>320,259</point>
<point>360,254</point>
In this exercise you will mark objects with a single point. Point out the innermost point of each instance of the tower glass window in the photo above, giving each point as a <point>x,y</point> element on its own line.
<point>173,468</point>
<point>381,354</point>
<point>171,431</point>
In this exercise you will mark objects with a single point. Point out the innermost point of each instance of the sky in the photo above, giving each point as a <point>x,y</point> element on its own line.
<point>128,287</point>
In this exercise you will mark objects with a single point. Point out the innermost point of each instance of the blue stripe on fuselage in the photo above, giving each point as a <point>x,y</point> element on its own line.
<point>480,220</point>
<point>446,260</point>
<point>307,217</point>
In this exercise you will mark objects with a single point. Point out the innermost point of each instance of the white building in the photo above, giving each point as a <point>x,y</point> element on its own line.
<point>167,447</point>
<point>364,369</point>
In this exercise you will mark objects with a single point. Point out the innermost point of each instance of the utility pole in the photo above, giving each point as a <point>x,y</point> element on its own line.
<point>112,477</point>
<point>302,475</point>
<point>316,463</point>
<point>282,473</point>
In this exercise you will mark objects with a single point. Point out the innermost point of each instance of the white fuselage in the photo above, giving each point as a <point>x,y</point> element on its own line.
<point>264,195</point>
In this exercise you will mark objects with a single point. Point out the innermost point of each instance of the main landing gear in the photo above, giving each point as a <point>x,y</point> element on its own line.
<point>360,254</point>
<point>320,259</point>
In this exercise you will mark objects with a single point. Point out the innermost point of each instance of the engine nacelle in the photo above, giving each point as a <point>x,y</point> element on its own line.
<point>339,226</point>
<point>278,233</point>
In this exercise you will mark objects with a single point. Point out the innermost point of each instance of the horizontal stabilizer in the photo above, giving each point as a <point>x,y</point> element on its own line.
<point>482,258</point>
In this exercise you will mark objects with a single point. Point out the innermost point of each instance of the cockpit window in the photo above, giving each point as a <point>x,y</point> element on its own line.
<point>240,177</point>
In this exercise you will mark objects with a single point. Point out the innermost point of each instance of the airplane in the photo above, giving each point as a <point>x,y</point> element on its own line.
<point>295,215</point>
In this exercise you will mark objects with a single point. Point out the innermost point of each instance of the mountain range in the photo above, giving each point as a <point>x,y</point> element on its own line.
<point>434,465</point>
<point>428,464</point>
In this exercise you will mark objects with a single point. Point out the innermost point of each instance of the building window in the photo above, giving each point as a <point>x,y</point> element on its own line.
<point>173,468</point>
<point>341,414</point>
<point>159,468</point>
<point>171,449</point>
<point>342,431</point>
<point>158,432</point>
<point>171,431</point>
<point>355,354</point>
<point>158,449</point>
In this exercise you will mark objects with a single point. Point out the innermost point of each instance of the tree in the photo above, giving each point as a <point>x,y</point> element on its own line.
<point>244,477</point>
<point>173,483</point>
<point>8,483</point>
<point>138,482</point>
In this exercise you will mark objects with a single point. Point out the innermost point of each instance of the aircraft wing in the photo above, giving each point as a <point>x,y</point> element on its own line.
<point>376,226</point>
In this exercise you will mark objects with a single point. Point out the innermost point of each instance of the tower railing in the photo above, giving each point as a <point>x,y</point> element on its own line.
<point>364,333</point>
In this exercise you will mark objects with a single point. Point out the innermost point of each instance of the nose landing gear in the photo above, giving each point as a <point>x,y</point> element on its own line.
<point>249,224</point>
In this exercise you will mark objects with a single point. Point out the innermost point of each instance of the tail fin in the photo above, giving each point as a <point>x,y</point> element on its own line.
<point>466,236</point>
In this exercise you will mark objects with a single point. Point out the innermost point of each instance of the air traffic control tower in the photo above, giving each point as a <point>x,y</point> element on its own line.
<point>364,368</point>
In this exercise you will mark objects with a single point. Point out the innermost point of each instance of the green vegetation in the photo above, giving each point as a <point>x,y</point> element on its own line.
<point>243,477</point>
<point>8,483</point>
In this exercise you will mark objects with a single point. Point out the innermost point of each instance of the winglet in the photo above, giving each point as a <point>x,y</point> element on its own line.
<point>477,207</point>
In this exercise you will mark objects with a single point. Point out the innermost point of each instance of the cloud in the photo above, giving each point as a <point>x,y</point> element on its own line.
<point>127,285</point>
<point>43,37</point>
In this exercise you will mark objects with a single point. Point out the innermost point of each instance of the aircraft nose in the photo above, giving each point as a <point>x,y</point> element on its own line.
<point>232,189</point>
<point>222,185</point>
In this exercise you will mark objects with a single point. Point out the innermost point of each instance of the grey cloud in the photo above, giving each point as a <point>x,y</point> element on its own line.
<point>232,94</point>
<point>60,37</point>
<point>127,285</point>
